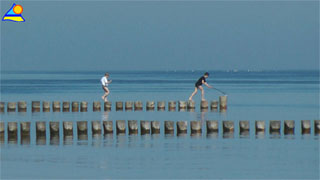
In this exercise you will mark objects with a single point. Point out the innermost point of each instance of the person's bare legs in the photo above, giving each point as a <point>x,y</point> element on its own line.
<point>106,90</point>
<point>194,92</point>
<point>202,93</point>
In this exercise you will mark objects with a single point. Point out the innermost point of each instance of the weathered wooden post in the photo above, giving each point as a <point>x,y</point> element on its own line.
<point>22,106</point>
<point>196,127</point>
<point>182,127</point>
<point>212,126</point>
<point>65,106</point>
<point>161,105</point>
<point>35,106</point>
<point>96,106</point>
<point>316,126</point>
<point>168,127</point>
<point>138,106</point>
<point>54,132</point>
<point>172,106</point>
<point>41,133</point>
<point>275,127</point>
<point>129,105</point>
<point>228,126</point>
<point>12,131</point>
<point>82,129</point>
<point>150,106</point>
<point>260,127</point>
<point>223,102</point>
<point>244,127</point>
<point>107,106</point>
<point>119,106</point>
<point>305,127</point>
<point>214,105</point>
<point>96,127</point>
<point>2,132</point>
<point>289,126</point>
<point>204,106</point>
<point>75,106</point>
<point>11,106</point>
<point>121,126</point>
<point>68,128</point>
<point>25,129</point>
<point>182,105</point>
<point>133,126</point>
<point>108,127</point>
<point>155,127</point>
<point>2,106</point>
<point>145,127</point>
<point>56,106</point>
<point>83,106</point>
<point>191,106</point>
<point>45,106</point>
<point>41,128</point>
<point>54,128</point>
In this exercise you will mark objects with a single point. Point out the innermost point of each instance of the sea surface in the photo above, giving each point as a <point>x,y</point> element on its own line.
<point>252,95</point>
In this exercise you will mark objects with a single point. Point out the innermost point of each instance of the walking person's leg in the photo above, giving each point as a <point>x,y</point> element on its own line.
<point>202,93</point>
<point>194,92</point>
<point>106,90</point>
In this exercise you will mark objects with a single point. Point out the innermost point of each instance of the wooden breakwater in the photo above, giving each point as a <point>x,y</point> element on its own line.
<point>67,129</point>
<point>83,106</point>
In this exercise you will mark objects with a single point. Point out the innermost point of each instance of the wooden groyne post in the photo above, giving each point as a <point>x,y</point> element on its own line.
<point>182,127</point>
<point>107,106</point>
<point>96,127</point>
<point>129,106</point>
<point>22,106</point>
<point>305,127</point>
<point>108,127</point>
<point>223,102</point>
<point>244,127</point>
<point>196,127</point>
<point>83,106</point>
<point>45,107</point>
<point>11,107</point>
<point>65,106</point>
<point>155,127</point>
<point>212,126</point>
<point>119,106</point>
<point>96,106</point>
<point>150,106</point>
<point>168,127</point>
<point>75,106</point>
<point>145,127</point>
<point>161,105</point>
<point>204,106</point>
<point>133,126</point>
<point>289,126</point>
<point>138,106</point>
<point>182,105</point>
<point>274,127</point>
<point>172,106</point>
<point>121,126</point>
<point>56,106</point>
<point>260,127</point>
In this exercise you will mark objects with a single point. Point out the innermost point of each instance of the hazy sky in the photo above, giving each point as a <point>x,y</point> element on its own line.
<point>106,35</point>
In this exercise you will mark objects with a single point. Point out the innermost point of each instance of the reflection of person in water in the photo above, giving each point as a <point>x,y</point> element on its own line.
<point>105,116</point>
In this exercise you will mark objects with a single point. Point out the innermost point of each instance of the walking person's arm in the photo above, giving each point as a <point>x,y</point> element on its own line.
<point>205,83</point>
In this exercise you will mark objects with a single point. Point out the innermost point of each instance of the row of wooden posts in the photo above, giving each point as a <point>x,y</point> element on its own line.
<point>128,105</point>
<point>153,127</point>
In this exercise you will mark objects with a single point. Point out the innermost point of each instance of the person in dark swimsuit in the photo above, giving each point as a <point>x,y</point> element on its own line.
<point>198,85</point>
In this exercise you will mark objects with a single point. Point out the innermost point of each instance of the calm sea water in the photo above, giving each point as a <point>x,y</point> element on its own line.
<point>266,95</point>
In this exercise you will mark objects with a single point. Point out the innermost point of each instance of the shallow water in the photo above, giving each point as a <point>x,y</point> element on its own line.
<point>270,95</point>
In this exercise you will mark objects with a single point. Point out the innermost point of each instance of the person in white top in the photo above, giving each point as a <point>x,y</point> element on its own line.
<point>104,83</point>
